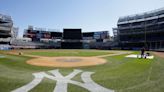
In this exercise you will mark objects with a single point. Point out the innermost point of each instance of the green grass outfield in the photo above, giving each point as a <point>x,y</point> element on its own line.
<point>119,73</point>
<point>54,53</point>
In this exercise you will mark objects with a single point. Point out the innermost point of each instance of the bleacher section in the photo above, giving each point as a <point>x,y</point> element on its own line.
<point>17,44</point>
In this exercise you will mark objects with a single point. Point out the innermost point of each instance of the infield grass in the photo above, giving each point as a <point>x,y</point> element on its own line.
<point>119,73</point>
<point>54,53</point>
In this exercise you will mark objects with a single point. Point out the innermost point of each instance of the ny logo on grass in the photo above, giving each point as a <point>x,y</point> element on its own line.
<point>62,81</point>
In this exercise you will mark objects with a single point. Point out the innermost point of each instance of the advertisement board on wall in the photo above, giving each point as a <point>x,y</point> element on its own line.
<point>101,35</point>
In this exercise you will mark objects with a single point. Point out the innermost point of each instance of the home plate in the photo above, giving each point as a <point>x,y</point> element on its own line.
<point>139,56</point>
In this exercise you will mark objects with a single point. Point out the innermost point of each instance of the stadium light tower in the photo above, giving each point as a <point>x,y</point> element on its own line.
<point>145,36</point>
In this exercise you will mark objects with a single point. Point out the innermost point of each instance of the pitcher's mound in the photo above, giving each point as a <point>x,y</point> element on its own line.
<point>66,61</point>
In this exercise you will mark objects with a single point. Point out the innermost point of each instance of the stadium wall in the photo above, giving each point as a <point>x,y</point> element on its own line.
<point>142,30</point>
<point>6,25</point>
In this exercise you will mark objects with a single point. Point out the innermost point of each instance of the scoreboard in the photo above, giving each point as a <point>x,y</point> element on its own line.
<point>72,34</point>
<point>72,39</point>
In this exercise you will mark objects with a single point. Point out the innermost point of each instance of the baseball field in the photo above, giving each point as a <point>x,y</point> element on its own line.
<point>110,70</point>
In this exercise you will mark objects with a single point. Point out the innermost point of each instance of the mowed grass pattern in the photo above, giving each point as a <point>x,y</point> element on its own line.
<point>54,53</point>
<point>119,73</point>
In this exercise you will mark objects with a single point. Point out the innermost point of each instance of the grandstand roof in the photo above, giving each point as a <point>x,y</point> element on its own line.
<point>148,14</point>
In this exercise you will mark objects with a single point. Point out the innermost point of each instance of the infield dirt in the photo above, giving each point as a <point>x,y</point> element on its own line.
<point>67,61</point>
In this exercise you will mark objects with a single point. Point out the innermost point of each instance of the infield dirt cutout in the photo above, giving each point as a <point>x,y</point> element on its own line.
<point>66,61</point>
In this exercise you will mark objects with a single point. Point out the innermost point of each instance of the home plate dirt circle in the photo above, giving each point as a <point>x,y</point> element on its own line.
<point>66,61</point>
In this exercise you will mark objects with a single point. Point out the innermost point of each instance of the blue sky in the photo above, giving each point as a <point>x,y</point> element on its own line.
<point>90,15</point>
